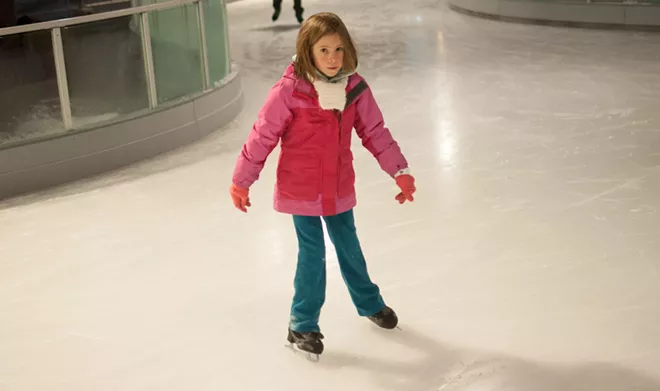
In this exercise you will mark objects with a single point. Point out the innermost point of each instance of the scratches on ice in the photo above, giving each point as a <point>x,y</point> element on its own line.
<point>404,223</point>
<point>602,194</point>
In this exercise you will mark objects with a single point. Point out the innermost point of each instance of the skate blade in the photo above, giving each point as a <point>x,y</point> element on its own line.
<point>311,357</point>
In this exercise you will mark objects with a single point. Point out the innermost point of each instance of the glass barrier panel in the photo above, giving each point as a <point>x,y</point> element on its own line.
<point>29,98</point>
<point>105,69</point>
<point>33,11</point>
<point>217,40</point>
<point>175,43</point>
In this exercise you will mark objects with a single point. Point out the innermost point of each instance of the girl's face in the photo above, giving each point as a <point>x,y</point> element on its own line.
<point>328,54</point>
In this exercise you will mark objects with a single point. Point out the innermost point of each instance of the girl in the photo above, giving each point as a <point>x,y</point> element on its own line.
<point>312,110</point>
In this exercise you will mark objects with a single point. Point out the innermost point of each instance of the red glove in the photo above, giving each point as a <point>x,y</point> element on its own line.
<point>407,184</point>
<point>241,197</point>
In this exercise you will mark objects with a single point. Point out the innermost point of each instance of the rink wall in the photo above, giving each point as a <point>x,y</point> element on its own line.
<point>92,93</point>
<point>644,15</point>
<point>38,165</point>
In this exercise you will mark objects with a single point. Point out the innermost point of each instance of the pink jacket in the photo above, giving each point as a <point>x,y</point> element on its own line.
<point>315,175</point>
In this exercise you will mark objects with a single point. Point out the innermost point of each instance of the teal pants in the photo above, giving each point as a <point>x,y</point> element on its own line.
<point>310,277</point>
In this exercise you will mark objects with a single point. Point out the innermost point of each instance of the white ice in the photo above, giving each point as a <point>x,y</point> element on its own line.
<point>530,260</point>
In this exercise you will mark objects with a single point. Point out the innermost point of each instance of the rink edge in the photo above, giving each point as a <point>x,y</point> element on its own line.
<point>634,17</point>
<point>55,161</point>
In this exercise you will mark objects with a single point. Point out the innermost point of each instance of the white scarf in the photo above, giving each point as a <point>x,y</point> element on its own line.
<point>331,95</point>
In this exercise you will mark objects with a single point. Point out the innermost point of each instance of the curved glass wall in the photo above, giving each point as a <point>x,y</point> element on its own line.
<point>633,15</point>
<point>113,60</point>
<point>620,2</point>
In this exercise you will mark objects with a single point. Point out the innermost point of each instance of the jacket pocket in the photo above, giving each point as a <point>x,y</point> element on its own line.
<point>298,176</point>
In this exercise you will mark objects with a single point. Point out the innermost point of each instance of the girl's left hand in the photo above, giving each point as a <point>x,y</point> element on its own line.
<point>407,185</point>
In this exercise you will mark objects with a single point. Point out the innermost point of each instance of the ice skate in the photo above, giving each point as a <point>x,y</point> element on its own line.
<point>276,13</point>
<point>385,318</point>
<point>299,14</point>
<point>307,342</point>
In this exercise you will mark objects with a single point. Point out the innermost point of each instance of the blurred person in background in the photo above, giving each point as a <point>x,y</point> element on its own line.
<point>297,6</point>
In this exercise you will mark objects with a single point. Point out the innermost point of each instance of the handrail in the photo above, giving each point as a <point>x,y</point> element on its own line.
<point>59,23</point>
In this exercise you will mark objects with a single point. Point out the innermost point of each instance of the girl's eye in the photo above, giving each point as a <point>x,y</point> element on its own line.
<point>340,49</point>
<point>324,50</point>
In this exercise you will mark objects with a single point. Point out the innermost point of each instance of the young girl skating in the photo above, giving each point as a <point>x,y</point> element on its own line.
<point>312,110</point>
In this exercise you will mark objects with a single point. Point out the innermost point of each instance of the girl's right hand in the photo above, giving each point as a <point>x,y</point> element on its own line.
<point>240,197</point>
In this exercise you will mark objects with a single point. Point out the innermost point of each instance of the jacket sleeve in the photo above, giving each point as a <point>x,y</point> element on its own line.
<point>376,138</point>
<point>272,121</point>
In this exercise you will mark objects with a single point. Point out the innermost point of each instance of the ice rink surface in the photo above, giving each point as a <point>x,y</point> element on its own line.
<point>530,260</point>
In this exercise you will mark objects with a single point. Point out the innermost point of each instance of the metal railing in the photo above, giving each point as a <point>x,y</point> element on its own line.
<point>143,12</point>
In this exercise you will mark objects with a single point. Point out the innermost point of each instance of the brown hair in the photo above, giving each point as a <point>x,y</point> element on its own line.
<point>316,27</point>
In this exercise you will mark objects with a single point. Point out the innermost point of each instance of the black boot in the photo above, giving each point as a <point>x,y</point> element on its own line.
<point>308,342</point>
<point>299,14</point>
<point>276,14</point>
<point>385,318</point>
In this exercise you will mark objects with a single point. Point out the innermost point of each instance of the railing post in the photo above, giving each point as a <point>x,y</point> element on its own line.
<point>148,56</point>
<point>62,81</point>
<point>228,41</point>
<point>203,51</point>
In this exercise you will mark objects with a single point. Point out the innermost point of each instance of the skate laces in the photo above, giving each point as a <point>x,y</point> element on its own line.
<point>314,335</point>
<point>310,336</point>
<point>383,313</point>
